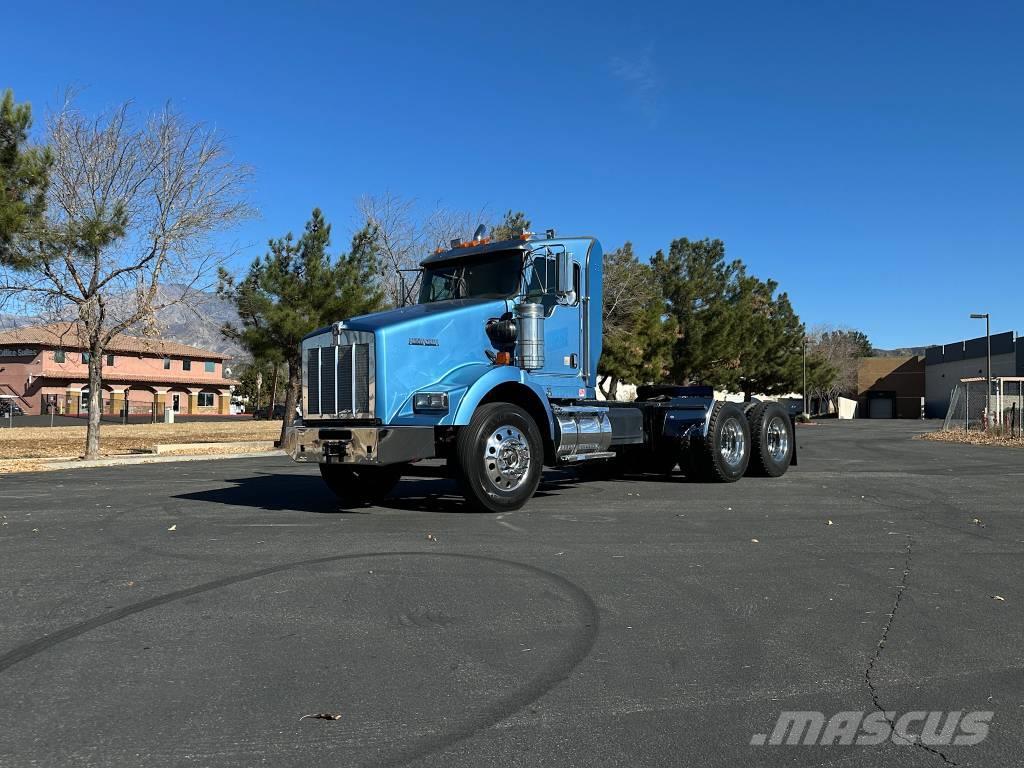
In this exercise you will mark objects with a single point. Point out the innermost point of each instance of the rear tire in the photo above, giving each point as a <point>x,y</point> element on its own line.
<point>723,455</point>
<point>771,440</point>
<point>355,485</point>
<point>499,458</point>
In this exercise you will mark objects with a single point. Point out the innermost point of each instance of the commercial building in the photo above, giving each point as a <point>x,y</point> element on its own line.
<point>946,364</point>
<point>890,387</point>
<point>46,367</point>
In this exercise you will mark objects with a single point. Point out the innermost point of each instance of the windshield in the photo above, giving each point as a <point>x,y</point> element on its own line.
<point>494,276</point>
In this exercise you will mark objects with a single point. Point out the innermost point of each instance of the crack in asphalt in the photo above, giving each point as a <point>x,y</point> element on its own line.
<point>900,589</point>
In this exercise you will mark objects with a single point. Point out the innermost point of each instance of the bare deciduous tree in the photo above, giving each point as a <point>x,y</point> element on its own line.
<point>404,240</point>
<point>838,350</point>
<point>129,208</point>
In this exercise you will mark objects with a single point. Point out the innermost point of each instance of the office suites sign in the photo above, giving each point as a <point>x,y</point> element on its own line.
<point>16,352</point>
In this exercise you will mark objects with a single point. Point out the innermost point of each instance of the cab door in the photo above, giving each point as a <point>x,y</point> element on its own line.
<point>561,376</point>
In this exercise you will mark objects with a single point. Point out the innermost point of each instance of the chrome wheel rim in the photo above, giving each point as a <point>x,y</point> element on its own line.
<point>778,439</point>
<point>733,442</point>
<point>506,458</point>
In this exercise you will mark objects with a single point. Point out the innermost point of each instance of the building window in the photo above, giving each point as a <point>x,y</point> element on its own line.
<point>167,363</point>
<point>186,364</point>
<point>205,399</point>
<point>58,355</point>
<point>110,360</point>
<point>211,366</point>
<point>85,358</point>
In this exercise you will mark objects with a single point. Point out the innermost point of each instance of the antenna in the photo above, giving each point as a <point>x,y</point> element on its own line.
<point>480,232</point>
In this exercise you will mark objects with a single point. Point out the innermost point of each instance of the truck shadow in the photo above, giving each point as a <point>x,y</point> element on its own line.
<point>426,491</point>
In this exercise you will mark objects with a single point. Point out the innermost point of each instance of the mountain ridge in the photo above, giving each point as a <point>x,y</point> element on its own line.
<point>197,324</point>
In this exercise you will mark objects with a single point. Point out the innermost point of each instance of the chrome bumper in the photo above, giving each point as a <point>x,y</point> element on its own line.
<point>359,445</point>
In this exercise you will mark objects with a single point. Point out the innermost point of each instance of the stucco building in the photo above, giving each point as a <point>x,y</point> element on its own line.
<point>890,387</point>
<point>945,365</point>
<point>46,366</point>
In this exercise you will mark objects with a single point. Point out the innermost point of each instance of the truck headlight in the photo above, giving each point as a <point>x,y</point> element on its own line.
<point>431,402</point>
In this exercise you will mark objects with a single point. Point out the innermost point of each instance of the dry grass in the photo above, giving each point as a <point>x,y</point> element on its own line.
<point>972,438</point>
<point>54,442</point>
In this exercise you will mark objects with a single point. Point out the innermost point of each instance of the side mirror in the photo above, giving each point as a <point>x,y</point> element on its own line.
<point>563,277</point>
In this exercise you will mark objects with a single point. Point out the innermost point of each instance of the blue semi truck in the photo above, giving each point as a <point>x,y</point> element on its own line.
<point>494,370</point>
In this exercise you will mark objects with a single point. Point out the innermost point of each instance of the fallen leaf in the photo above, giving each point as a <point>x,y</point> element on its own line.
<point>828,522</point>
<point>431,537</point>
<point>755,541</point>
<point>321,716</point>
<point>1000,598</point>
<point>173,527</point>
<point>977,521</point>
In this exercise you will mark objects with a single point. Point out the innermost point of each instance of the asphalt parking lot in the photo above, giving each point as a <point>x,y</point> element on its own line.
<point>190,614</point>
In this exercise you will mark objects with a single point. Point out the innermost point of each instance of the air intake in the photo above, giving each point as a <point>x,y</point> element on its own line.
<point>338,380</point>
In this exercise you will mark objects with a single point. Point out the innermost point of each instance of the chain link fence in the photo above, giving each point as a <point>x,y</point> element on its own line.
<point>978,405</point>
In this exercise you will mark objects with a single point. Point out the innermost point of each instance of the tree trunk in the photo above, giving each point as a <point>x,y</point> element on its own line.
<point>609,386</point>
<point>273,391</point>
<point>291,397</point>
<point>92,432</point>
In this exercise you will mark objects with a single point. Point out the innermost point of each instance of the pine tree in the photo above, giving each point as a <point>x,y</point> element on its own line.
<point>24,172</point>
<point>700,288</point>
<point>638,338</point>
<point>511,227</point>
<point>735,333</point>
<point>770,341</point>
<point>296,288</point>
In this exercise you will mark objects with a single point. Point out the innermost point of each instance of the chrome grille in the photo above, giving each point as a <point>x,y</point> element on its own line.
<point>313,381</point>
<point>361,378</point>
<point>338,380</point>
<point>345,377</point>
<point>328,377</point>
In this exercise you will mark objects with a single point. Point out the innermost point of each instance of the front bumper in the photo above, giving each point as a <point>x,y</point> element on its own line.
<point>359,445</point>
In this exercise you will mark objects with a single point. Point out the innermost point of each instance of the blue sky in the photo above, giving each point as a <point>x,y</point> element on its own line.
<point>866,155</point>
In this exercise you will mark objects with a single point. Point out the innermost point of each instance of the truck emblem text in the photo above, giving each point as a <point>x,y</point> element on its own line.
<point>418,342</point>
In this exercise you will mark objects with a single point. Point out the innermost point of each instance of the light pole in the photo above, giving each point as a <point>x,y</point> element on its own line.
<point>988,361</point>
<point>805,375</point>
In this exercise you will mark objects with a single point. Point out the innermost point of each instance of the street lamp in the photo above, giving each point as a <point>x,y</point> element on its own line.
<point>805,376</point>
<point>988,369</point>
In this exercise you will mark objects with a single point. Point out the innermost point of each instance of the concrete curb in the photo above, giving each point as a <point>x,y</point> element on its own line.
<point>119,461</point>
<point>242,445</point>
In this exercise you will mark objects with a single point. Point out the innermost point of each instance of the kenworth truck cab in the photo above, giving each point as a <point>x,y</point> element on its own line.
<point>494,370</point>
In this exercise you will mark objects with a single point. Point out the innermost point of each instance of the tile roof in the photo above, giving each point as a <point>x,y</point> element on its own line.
<point>68,336</point>
<point>141,378</point>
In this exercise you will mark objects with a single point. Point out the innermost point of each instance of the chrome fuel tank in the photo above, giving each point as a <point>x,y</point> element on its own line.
<point>582,432</point>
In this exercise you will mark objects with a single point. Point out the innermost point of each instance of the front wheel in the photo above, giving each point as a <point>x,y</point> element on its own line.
<point>355,485</point>
<point>499,458</point>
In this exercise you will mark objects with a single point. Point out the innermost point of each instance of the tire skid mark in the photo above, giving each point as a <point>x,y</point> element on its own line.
<point>576,650</point>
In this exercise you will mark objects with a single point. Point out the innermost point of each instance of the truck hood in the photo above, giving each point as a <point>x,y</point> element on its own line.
<point>427,313</point>
<point>437,346</point>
